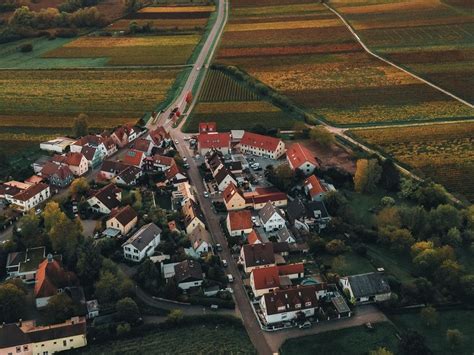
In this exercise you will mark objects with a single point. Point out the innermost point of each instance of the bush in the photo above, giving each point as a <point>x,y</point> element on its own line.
<point>26,47</point>
<point>66,33</point>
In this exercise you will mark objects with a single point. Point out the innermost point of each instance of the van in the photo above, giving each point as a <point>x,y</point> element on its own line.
<point>214,307</point>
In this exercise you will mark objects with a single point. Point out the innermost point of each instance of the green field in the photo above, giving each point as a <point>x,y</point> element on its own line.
<point>357,340</point>
<point>221,87</point>
<point>196,339</point>
<point>436,336</point>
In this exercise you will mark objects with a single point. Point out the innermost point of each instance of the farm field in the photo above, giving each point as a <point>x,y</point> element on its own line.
<point>443,152</point>
<point>234,106</point>
<point>434,40</point>
<point>356,340</point>
<point>436,336</point>
<point>200,339</point>
<point>303,51</point>
<point>35,105</point>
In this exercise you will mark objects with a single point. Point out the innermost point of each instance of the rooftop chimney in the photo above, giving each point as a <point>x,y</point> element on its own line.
<point>50,258</point>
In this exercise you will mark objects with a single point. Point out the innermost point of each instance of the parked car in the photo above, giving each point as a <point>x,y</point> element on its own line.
<point>218,247</point>
<point>214,307</point>
<point>224,263</point>
<point>206,194</point>
<point>305,325</point>
<point>230,278</point>
<point>176,141</point>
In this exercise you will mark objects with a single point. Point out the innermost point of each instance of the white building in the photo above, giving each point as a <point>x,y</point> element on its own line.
<point>271,217</point>
<point>57,145</point>
<point>31,197</point>
<point>122,219</point>
<point>188,274</point>
<point>260,145</point>
<point>299,157</point>
<point>239,222</point>
<point>366,288</point>
<point>142,243</point>
<point>106,199</point>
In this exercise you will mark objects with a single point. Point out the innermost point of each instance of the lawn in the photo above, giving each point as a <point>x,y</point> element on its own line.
<point>394,263</point>
<point>305,52</point>
<point>195,339</point>
<point>443,152</point>
<point>122,51</point>
<point>436,336</point>
<point>357,340</point>
<point>349,264</point>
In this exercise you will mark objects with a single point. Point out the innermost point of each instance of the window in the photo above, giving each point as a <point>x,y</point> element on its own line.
<point>25,347</point>
<point>18,349</point>
<point>64,342</point>
<point>308,304</point>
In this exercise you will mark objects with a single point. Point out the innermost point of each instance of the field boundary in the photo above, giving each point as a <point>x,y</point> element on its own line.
<point>369,51</point>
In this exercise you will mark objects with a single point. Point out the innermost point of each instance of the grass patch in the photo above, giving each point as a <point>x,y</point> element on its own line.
<point>436,336</point>
<point>357,340</point>
<point>195,339</point>
<point>348,264</point>
<point>399,265</point>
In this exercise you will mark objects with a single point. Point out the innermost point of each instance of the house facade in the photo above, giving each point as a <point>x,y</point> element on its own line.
<point>106,199</point>
<point>371,287</point>
<point>233,198</point>
<point>272,218</point>
<point>143,243</point>
<point>30,197</point>
<point>239,223</point>
<point>124,219</point>
<point>214,141</point>
<point>260,145</point>
<point>255,256</point>
<point>193,216</point>
<point>188,274</point>
<point>299,157</point>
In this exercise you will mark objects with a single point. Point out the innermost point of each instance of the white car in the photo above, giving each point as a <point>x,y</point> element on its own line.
<point>206,194</point>
<point>254,219</point>
<point>176,141</point>
<point>230,278</point>
<point>224,263</point>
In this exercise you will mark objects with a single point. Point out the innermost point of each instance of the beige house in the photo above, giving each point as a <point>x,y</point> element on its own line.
<point>123,219</point>
<point>26,338</point>
<point>193,216</point>
<point>233,198</point>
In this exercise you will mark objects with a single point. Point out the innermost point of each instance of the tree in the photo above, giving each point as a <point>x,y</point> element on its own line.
<point>443,218</point>
<point>80,127</point>
<point>79,187</point>
<point>175,316</point>
<point>390,178</point>
<point>22,17</point>
<point>408,188</point>
<point>300,129</point>
<point>431,195</point>
<point>29,230</point>
<point>368,172</point>
<point>122,329</point>
<point>60,307</point>
<point>322,136</point>
<point>380,351</point>
<point>453,237</point>
<point>467,287</point>
<point>127,310</point>
<point>412,342</point>
<point>335,247</point>
<point>51,214</point>
<point>106,288</point>
<point>148,276</point>
<point>89,263</point>
<point>387,201</point>
<point>398,238</point>
<point>132,5</point>
<point>454,337</point>
<point>65,235</point>
<point>133,27</point>
<point>414,218</point>
<point>334,202</point>
<point>388,216</point>
<point>259,129</point>
<point>429,316</point>
<point>339,264</point>
<point>449,273</point>
<point>12,302</point>
<point>282,176</point>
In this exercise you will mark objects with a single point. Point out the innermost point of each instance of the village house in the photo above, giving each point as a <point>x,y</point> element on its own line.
<point>224,178</point>
<point>308,216</point>
<point>175,175</point>
<point>207,127</point>
<point>28,198</point>
<point>93,147</point>
<point>133,157</point>
<point>24,264</point>
<point>159,137</point>
<point>284,235</point>
<point>255,256</point>
<point>299,157</point>
<point>272,218</point>
<point>193,216</point>
<point>143,243</point>
<point>26,338</point>
<point>263,146</point>
<point>57,145</point>
<point>233,198</point>
<point>120,173</point>
<point>77,162</point>
<point>51,279</point>
<point>58,175</point>
<point>158,163</point>
<point>316,189</point>
<point>144,145</point>
<point>366,288</point>
<point>214,141</point>
<point>254,238</point>
<point>261,195</point>
<point>264,280</point>
<point>122,219</point>
<point>239,223</point>
<point>106,199</point>
<point>200,240</point>
<point>182,193</point>
<point>188,274</point>
<point>124,135</point>
<point>290,304</point>
<point>110,145</point>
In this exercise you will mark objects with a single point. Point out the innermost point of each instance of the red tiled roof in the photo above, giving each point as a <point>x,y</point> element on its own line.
<point>62,171</point>
<point>260,141</point>
<point>290,269</point>
<point>214,140</point>
<point>25,195</point>
<point>230,191</point>
<point>158,135</point>
<point>74,159</point>
<point>161,159</point>
<point>263,198</point>
<point>314,186</point>
<point>266,277</point>
<point>142,144</point>
<point>51,276</point>
<point>282,301</point>
<point>133,157</point>
<point>298,155</point>
<point>90,139</point>
<point>240,220</point>
<point>205,127</point>
<point>253,237</point>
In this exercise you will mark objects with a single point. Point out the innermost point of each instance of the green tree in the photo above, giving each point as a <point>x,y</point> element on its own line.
<point>320,135</point>
<point>390,178</point>
<point>398,238</point>
<point>80,127</point>
<point>453,237</point>
<point>449,274</point>
<point>454,337</point>
<point>22,17</point>
<point>467,288</point>
<point>368,172</point>
<point>65,235</point>
<point>12,302</point>
<point>89,263</point>
<point>60,307</point>
<point>133,27</point>
<point>175,316</point>
<point>335,247</point>
<point>380,351</point>
<point>408,188</point>
<point>127,310</point>
<point>148,276</point>
<point>29,230</point>
<point>284,176</point>
<point>335,202</point>
<point>431,195</point>
<point>51,214</point>
<point>388,216</point>
<point>429,316</point>
<point>122,329</point>
<point>106,288</point>
<point>411,343</point>
<point>79,187</point>
<point>443,218</point>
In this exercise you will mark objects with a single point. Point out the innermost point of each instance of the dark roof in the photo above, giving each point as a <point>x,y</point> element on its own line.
<point>112,166</point>
<point>130,174</point>
<point>188,270</point>
<point>11,335</point>
<point>295,209</point>
<point>191,210</point>
<point>25,195</point>
<point>268,211</point>
<point>258,254</point>
<point>282,301</point>
<point>88,152</point>
<point>317,206</point>
<point>144,236</point>
<point>107,195</point>
<point>9,190</point>
<point>233,165</point>
<point>281,247</point>
<point>48,333</point>
<point>283,234</point>
<point>370,284</point>
<point>124,215</point>
<point>222,174</point>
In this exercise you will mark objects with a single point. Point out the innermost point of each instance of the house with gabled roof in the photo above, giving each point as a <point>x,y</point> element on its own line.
<point>367,288</point>
<point>27,198</point>
<point>158,163</point>
<point>308,215</point>
<point>284,235</point>
<point>58,175</point>
<point>144,145</point>
<point>299,157</point>
<point>160,137</point>
<point>255,256</point>
<point>214,141</point>
<point>142,243</point>
<point>106,199</point>
<point>51,279</point>
<point>188,274</point>
<point>207,127</point>
<point>314,188</point>
<point>260,145</point>
<point>24,264</point>
<point>264,280</point>
<point>200,240</point>
<point>175,175</point>
<point>193,216</point>
<point>254,238</point>
<point>261,195</point>
<point>123,219</point>
<point>133,157</point>
<point>239,222</point>
<point>272,218</point>
<point>224,178</point>
<point>77,162</point>
<point>233,198</point>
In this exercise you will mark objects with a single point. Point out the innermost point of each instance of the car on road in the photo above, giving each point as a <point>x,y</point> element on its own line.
<point>186,166</point>
<point>206,194</point>
<point>224,263</point>
<point>176,141</point>
<point>218,247</point>
<point>214,307</point>
<point>230,278</point>
<point>305,325</point>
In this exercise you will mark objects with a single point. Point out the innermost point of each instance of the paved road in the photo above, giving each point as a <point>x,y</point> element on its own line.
<point>365,314</point>
<point>369,51</point>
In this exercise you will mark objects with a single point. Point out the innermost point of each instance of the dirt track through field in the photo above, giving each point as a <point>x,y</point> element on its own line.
<point>393,64</point>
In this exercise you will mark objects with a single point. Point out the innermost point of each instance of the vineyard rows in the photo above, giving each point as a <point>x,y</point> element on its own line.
<point>221,87</point>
